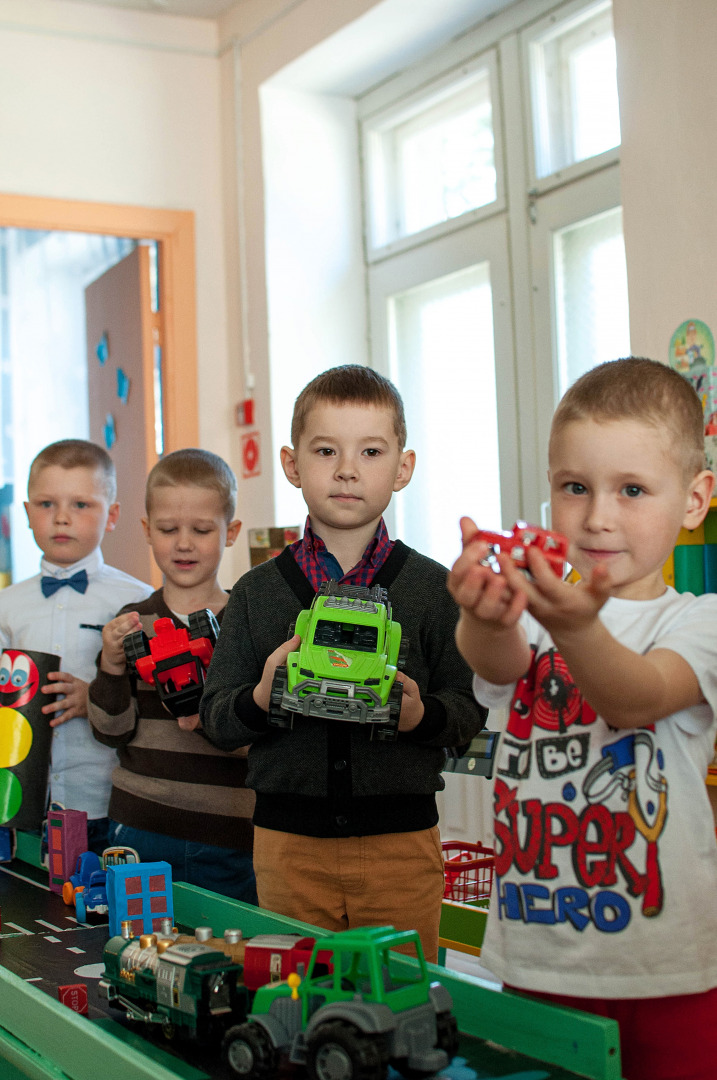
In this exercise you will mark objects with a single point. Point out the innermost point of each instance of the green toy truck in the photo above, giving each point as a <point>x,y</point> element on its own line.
<point>345,668</point>
<point>350,1018</point>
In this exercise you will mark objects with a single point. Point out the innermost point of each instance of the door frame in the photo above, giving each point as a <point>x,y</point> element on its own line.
<point>173,230</point>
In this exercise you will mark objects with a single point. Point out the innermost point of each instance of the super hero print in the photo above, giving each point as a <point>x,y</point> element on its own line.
<point>548,697</point>
<point>588,855</point>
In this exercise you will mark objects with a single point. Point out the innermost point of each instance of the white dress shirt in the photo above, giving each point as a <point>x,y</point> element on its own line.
<point>69,624</point>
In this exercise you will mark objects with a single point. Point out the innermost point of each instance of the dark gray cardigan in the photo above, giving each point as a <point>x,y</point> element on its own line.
<point>327,778</point>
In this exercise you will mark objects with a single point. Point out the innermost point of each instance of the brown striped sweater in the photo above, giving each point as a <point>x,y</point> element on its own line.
<point>167,780</point>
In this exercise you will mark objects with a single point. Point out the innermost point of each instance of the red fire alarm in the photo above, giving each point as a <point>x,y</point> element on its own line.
<point>245,413</point>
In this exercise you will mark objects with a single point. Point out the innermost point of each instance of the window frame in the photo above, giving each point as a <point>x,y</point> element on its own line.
<point>374,122</point>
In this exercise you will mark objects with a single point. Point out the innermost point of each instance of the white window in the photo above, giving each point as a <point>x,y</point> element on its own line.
<point>590,295</point>
<point>573,87</point>
<point>493,281</point>
<point>431,157</point>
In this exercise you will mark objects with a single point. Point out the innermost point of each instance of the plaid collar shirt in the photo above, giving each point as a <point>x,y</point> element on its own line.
<point>319,565</point>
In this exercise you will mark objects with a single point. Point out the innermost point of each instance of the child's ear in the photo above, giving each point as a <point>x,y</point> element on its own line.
<point>288,464</point>
<point>406,466</point>
<point>232,532</point>
<point>698,500</point>
<point>27,511</point>
<point>145,526</point>
<point>112,517</point>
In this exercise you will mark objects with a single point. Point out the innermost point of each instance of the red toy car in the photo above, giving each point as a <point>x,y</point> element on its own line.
<point>553,546</point>
<point>175,659</point>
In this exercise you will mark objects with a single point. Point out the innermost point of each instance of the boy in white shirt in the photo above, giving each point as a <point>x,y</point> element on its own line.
<point>71,504</point>
<point>606,862</point>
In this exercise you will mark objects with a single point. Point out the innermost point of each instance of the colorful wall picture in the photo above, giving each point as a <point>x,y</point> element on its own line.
<point>692,353</point>
<point>25,737</point>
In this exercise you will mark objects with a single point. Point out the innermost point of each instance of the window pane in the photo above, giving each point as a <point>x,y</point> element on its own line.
<point>443,364</point>
<point>432,161</point>
<point>574,89</point>
<point>591,295</point>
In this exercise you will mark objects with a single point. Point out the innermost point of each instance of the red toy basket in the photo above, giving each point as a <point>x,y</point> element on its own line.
<point>468,870</point>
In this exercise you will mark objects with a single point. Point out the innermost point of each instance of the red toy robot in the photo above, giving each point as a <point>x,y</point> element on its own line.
<point>553,546</point>
<point>175,660</point>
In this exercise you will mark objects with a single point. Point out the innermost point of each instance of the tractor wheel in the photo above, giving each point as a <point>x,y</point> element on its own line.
<point>203,624</point>
<point>447,1034</point>
<point>402,652</point>
<point>339,1051</point>
<point>249,1052</point>
<point>388,732</point>
<point>136,646</point>
<point>278,717</point>
<point>68,893</point>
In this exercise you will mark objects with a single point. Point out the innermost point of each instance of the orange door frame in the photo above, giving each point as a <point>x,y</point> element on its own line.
<point>174,232</point>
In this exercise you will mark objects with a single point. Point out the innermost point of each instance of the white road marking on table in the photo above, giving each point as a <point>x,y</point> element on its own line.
<point>51,926</point>
<point>52,938</point>
<point>73,948</point>
<point>35,978</point>
<point>37,884</point>
<point>22,929</point>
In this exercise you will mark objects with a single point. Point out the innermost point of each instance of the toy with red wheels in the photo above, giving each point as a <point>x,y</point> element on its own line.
<point>175,660</point>
<point>522,536</point>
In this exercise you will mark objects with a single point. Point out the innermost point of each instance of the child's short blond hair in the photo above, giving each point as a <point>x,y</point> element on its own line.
<point>349,384</point>
<point>197,468</point>
<point>635,388</point>
<point>76,454</point>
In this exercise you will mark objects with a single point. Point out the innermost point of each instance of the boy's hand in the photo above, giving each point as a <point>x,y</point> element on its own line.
<point>114,632</point>
<point>74,702</point>
<point>189,723</point>
<point>412,708</point>
<point>558,606</point>
<point>495,600</point>
<point>262,691</point>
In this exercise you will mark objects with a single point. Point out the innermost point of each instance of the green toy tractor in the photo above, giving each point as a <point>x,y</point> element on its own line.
<point>360,1007</point>
<point>345,668</point>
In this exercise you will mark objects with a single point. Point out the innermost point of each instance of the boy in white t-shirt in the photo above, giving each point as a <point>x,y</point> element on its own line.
<point>606,861</point>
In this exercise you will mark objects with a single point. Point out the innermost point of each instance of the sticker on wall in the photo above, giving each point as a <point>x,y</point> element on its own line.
<point>122,386</point>
<point>250,457</point>
<point>692,353</point>
<point>110,431</point>
<point>102,350</point>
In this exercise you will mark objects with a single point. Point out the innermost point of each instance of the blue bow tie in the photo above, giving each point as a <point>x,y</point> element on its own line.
<point>78,582</point>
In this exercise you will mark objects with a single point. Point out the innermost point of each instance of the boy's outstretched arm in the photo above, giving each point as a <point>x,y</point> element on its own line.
<point>488,634</point>
<point>627,689</point>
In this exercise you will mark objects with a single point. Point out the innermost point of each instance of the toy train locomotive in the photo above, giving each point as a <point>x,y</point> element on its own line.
<point>193,986</point>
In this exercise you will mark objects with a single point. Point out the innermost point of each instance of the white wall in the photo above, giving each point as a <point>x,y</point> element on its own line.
<point>668,109</point>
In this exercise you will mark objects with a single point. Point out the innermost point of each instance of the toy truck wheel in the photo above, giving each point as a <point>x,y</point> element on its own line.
<point>338,1051</point>
<point>249,1052</point>
<point>389,732</point>
<point>278,717</point>
<point>68,893</point>
<point>402,653</point>
<point>136,646</point>
<point>203,624</point>
<point>447,1034</point>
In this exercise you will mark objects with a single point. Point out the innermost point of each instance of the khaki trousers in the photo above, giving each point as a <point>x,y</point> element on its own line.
<point>340,883</point>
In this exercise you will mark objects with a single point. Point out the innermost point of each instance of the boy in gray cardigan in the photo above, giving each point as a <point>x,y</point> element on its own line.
<point>346,829</point>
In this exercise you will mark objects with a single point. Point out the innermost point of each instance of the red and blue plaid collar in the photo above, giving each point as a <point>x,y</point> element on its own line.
<point>319,565</point>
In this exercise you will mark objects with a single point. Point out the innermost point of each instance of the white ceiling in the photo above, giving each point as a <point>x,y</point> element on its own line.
<point>202,9</point>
